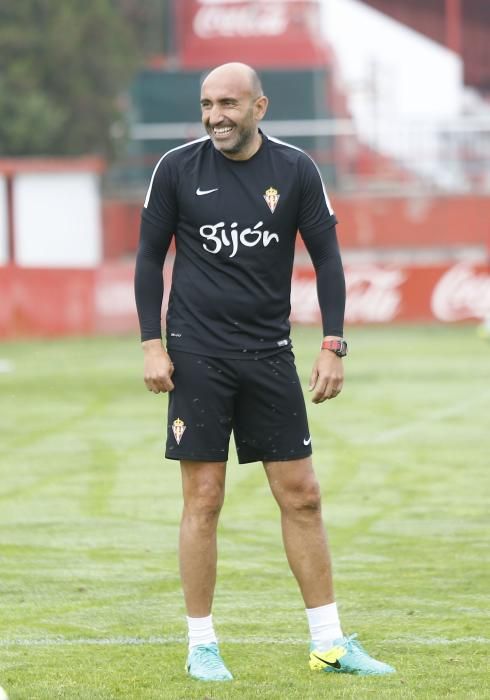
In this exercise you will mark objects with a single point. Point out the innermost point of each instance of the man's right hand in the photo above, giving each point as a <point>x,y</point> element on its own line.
<point>158,367</point>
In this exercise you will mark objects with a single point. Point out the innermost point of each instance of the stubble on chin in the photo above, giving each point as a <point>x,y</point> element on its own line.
<point>240,144</point>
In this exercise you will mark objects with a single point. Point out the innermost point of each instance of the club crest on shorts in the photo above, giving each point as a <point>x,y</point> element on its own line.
<point>271,197</point>
<point>178,429</point>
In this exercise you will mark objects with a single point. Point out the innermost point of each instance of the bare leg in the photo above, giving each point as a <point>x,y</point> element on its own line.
<point>297,493</point>
<point>203,486</point>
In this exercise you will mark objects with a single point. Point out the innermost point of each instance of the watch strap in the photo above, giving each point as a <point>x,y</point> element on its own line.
<point>339,347</point>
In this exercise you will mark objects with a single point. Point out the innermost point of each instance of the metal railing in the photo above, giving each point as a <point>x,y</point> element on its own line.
<point>449,157</point>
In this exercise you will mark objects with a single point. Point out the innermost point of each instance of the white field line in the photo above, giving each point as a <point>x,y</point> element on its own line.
<point>422,421</point>
<point>6,366</point>
<point>161,641</point>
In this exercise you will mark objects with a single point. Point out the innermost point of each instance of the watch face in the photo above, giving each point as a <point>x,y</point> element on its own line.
<point>340,348</point>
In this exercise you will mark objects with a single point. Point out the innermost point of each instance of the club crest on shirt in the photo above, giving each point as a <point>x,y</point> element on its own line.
<point>178,429</point>
<point>271,197</point>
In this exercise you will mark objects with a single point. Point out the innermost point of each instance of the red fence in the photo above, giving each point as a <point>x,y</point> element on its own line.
<point>413,222</point>
<point>365,222</point>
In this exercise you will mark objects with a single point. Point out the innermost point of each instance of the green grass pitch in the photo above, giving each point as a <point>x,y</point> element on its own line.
<point>90,603</point>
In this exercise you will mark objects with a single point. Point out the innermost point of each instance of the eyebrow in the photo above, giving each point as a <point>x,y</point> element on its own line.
<point>221,99</point>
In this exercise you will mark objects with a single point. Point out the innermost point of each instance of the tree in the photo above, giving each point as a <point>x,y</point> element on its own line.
<point>65,66</point>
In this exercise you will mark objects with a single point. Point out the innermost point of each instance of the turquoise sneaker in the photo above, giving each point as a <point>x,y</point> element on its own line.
<point>205,664</point>
<point>348,656</point>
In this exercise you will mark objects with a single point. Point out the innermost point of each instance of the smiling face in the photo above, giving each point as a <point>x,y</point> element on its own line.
<point>232,106</point>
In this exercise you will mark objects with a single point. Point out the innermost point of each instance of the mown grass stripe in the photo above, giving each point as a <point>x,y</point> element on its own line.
<point>150,641</point>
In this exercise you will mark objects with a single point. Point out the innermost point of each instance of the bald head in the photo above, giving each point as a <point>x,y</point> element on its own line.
<point>232,105</point>
<point>240,75</point>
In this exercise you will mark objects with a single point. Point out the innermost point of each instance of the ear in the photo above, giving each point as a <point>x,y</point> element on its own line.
<point>260,107</point>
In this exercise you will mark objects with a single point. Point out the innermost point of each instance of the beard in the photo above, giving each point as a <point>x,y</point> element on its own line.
<point>242,138</point>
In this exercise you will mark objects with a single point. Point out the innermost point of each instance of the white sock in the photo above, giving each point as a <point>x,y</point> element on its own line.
<point>324,626</point>
<point>201,631</point>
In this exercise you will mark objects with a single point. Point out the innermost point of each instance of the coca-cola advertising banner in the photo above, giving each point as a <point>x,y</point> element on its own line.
<point>391,293</point>
<point>265,33</point>
<point>102,300</point>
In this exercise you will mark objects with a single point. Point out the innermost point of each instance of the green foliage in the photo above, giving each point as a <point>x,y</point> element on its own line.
<point>146,21</point>
<point>64,67</point>
<point>90,600</point>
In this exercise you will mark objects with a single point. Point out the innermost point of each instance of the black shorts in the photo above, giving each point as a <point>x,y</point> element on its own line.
<point>260,400</point>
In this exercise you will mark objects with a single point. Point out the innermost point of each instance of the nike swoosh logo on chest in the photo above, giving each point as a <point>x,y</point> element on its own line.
<point>200,192</point>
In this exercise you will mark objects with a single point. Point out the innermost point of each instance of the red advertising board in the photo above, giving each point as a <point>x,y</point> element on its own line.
<point>46,302</point>
<point>390,293</point>
<point>376,293</point>
<point>63,302</point>
<point>264,33</point>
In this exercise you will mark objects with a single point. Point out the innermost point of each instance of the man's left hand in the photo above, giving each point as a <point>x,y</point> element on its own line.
<point>327,376</point>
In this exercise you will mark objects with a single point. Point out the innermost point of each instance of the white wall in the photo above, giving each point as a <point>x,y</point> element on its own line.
<point>397,81</point>
<point>57,220</point>
<point>3,221</point>
<point>384,61</point>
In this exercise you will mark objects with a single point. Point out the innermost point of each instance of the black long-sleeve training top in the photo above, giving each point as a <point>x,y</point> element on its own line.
<point>235,225</point>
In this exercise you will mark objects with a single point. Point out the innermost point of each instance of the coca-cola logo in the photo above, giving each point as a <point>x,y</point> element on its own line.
<point>304,300</point>
<point>373,295</point>
<point>217,18</point>
<point>461,293</point>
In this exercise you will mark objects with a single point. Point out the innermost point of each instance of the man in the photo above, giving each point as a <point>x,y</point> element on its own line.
<point>234,201</point>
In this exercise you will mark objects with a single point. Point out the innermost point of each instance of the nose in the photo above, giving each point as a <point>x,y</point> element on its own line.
<point>215,116</point>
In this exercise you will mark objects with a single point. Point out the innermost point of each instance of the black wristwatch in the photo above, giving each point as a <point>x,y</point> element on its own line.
<point>339,347</point>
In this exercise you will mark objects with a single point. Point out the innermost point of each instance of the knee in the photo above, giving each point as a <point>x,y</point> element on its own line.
<point>205,501</point>
<point>303,500</point>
